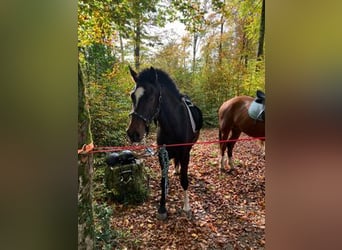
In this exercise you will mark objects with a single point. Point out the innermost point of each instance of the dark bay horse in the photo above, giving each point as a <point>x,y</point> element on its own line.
<point>234,118</point>
<point>156,98</point>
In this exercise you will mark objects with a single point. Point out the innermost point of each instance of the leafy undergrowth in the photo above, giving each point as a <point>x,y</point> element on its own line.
<point>228,210</point>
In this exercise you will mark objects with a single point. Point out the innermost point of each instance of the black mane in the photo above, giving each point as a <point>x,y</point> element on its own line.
<point>163,78</point>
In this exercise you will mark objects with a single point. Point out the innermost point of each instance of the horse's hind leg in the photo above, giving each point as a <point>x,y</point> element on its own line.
<point>230,146</point>
<point>223,146</point>
<point>262,146</point>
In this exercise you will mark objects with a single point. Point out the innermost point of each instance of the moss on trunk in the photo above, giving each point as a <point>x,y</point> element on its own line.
<point>86,236</point>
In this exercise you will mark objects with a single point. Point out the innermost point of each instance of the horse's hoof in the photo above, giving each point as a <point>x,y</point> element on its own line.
<point>162,216</point>
<point>228,171</point>
<point>188,214</point>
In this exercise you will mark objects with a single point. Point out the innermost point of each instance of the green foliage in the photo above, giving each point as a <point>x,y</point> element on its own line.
<point>95,35</point>
<point>172,59</point>
<point>249,11</point>
<point>99,60</point>
<point>192,14</point>
<point>104,234</point>
<point>94,22</point>
<point>210,90</point>
<point>110,106</point>
<point>219,75</point>
<point>253,79</point>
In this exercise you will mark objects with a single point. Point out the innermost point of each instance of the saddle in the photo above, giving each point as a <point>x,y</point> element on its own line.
<point>260,97</point>
<point>257,108</point>
<point>195,114</point>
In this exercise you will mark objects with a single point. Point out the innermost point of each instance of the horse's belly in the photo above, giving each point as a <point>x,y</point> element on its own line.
<point>254,129</point>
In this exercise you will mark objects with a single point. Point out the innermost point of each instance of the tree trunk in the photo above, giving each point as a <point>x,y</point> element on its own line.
<point>195,41</point>
<point>122,49</point>
<point>221,40</point>
<point>184,56</point>
<point>244,49</point>
<point>261,33</point>
<point>86,236</point>
<point>137,43</point>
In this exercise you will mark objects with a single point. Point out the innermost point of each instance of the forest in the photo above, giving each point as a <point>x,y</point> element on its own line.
<point>213,50</point>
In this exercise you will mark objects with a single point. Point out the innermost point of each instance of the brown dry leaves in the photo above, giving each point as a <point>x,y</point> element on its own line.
<point>228,210</point>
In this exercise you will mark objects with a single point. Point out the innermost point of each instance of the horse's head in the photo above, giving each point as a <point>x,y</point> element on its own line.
<point>146,103</point>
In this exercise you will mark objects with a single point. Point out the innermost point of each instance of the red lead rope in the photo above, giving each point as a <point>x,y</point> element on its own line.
<point>91,149</point>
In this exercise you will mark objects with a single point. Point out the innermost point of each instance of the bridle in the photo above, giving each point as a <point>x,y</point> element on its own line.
<point>148,120</point>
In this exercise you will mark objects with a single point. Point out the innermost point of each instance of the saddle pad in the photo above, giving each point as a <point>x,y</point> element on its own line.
<point>257,111</point>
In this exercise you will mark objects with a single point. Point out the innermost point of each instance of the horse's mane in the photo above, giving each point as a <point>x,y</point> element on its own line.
<point>163,78</point>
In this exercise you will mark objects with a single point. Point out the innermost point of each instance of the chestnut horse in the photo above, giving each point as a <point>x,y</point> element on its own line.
<point>156,98</point>
<point>235,117</point>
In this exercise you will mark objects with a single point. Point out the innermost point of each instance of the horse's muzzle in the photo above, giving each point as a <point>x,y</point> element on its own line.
<point>136,129</point>
<point>134,136</point>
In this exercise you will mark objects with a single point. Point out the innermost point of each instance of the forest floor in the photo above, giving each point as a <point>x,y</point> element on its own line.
<point>228,209</point>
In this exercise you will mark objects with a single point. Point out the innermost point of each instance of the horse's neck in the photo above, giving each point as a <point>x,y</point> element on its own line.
<point>172,112</point>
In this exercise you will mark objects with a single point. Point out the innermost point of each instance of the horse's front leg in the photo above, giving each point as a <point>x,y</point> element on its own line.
<point>261,144</point>
<point>185,184</point>
<point>162,212</point>
<point>177,171</point>
<point>164,165</point>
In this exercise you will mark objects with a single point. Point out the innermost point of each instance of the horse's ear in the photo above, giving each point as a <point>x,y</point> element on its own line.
<point>154,76</point>
<point>133,73</point>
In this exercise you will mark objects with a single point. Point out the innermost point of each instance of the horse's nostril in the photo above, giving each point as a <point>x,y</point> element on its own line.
<point>133,136</point>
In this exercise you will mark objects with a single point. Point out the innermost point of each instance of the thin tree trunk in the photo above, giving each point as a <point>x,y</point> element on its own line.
<point>261,33</point>
<point>184,57</point>
<point>122,49</point>
<point>86,235</point>
<point>260,53</point>
<point>137,43</point>
<point>221,41</point>
<point>244,49</point>
<point>194,52</point>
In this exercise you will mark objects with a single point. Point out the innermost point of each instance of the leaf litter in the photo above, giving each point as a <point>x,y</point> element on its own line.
<point>228,209</point>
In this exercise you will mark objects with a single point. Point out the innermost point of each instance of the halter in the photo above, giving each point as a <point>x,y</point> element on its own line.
<point>147,120</point>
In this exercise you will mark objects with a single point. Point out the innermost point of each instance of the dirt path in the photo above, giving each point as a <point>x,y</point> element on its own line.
<point>228,210</point>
